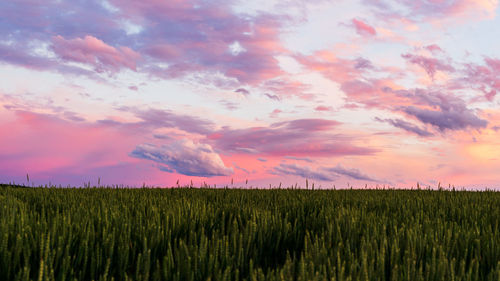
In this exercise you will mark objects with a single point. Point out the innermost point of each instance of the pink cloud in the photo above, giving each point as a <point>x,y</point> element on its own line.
<point>284,87</point>
<point>323,108</point>
<point>334,68</point>
<point>430,65</point>
<point>275,113</point>
<point>301,137</point>
<point>363,29</point>
<point>433,48</point>
<point>482,77</point>
<point>92,51</point>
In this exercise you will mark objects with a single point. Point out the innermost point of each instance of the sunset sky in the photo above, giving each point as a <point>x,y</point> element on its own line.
<point>374,92</point>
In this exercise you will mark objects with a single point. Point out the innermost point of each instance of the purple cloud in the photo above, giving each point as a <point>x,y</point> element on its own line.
<point>307,124</point>
<point>273,97</point>
<point>452,112</point>
<point>172,39</point>
<point>156,118</point>
<point>302,137</point>
<point>305,172</point>
<point>407,126</point>
<point>424,10</point>
<point>447,111</point>
<point>447,119</point>
<point>242,91</point>
<point>198,36</point>
<point>430,65</point>
<point>320,173</point>
<point>484,78</point>
<point>184,157</point>
<point>299,158</point>
<point>352,173</point>
<point>229,105</point>
<point>93,51</point>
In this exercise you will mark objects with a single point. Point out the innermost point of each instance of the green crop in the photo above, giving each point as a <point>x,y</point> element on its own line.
<point>232,234</point>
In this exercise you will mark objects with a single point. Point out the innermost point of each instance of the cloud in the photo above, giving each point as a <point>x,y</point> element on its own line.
<point>301,137</point>
<point>242,91</point>
<point>305,172</point>
<point>22,54</point>
<point>449,111</point>
<point>320,173</point>
<point>447,119</point>
<point>157,118</point>
<point>185,157</point>
<point>19,55</point>
<point>443,111</point>
<point>352,173</point>
<point>307,124</point>
<point>362,28</point>
<point>433,48</point>
<point>430,65</point>
<point>65,145</point>
<point>424,10</point>
<point>93,51</point>
<point>299,158</point>
<point>285,87</point>
<point>275,113</point>
<point>334,68</point>
<point>171,39</point>
<point>323,108</point>
<point>273,97</point>
<point>483,77</point>
<point>229,105</point>
<point>199,37</point>
<point>241,168</point>
<point>407,126</point>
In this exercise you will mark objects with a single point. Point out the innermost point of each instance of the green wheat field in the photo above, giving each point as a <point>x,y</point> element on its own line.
<point>242,234</point>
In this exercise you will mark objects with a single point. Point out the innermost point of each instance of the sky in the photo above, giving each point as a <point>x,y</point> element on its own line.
<point>341,93</point>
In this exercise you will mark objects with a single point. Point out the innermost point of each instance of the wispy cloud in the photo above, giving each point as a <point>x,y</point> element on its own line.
<point>93,51</point>
<point>321,173</point>
<point>301,137</point>
<point>407,126</point>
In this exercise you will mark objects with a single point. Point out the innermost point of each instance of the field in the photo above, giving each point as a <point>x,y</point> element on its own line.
<point>232,234</point>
